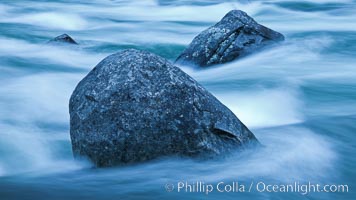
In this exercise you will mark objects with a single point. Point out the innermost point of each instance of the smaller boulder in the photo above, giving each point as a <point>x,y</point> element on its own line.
<point>64,38</point>
<point>235,36</point>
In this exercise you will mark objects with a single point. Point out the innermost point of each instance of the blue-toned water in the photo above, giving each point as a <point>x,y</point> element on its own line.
<point>298,98</point>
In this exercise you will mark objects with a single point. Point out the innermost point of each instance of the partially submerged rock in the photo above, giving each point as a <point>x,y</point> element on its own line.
<point>136,106</point>
<point>63,39</point>
<point>236,35</point>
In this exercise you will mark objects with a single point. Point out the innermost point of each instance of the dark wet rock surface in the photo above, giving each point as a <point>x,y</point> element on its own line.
<point>63,39</point>
<point>136,106</point>
<point>235,36</point>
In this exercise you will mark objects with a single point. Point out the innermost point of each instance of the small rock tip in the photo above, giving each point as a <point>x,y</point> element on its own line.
<point>64,38</point>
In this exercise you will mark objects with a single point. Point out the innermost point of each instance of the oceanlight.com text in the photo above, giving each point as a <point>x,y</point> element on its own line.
<point>260,186</point>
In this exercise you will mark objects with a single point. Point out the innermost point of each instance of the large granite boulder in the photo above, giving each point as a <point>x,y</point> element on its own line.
<point>136,106</point>
<point>236,35</point>
<point>63,39</point>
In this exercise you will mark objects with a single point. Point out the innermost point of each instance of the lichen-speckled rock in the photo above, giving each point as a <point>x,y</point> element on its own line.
<point>136,106</point>
<point>63,39</point>
<point>236,35</point>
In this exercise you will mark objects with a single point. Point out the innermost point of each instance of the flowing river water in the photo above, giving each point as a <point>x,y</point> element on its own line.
<point>298,98</point>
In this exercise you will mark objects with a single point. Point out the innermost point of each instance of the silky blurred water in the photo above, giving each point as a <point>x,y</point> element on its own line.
<point>298,98</point>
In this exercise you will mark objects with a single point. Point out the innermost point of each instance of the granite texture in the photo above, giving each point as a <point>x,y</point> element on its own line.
<point>136,106</point>
<point>235,36</point>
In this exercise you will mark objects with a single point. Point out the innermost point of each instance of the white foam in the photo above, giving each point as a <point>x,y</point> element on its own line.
<point>55,54</point>
<point>3,9</point>
<point>137,10</point>
<point>42,97</point>
<point>291,154</point>
<point>28,149</point>
<point>258,105</point>
<point>2,171</point>
<point>264,108</point>
<point>323,1</point>
<point>53,20</point>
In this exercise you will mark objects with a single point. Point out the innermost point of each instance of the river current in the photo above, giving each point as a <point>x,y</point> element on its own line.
<point>298,98</point>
